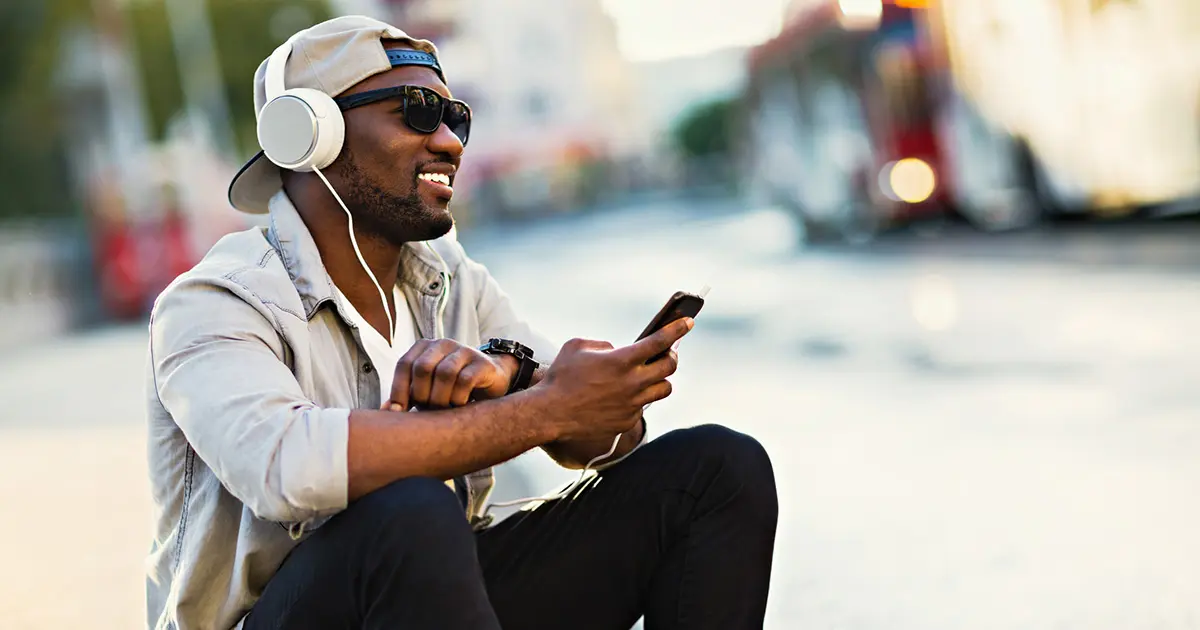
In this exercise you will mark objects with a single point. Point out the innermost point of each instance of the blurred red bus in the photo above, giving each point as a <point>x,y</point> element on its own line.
<point>868,113</point>
<point>841,124</point>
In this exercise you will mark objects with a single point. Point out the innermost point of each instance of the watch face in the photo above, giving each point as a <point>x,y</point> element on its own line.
<point>507,346</point>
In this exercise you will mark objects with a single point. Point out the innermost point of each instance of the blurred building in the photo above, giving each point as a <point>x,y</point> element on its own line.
<point>558,116</point>
<point>671,87</point>
<point>378,9</point>
<point>1106,93</point>
<point>428,19</point>
<point>867,113</point>
<point>839,125</point>
<point>150,206</point>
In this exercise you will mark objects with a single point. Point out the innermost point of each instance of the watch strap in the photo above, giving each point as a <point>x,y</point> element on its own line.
<point>526,365</point>
<point>524,375</point>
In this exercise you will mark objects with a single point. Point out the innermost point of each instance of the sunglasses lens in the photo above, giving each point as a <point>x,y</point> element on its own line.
<point>458,118</point>
<point>423,109</point>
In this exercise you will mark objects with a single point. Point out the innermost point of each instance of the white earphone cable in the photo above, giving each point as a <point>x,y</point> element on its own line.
<point>387,310</point>
<point>569,489</point>
<point>583,474</point>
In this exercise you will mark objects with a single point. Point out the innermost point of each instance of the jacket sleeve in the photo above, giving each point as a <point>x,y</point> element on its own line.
<point>220,369</point>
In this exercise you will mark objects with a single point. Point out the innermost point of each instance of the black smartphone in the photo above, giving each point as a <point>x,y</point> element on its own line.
<point>682,304</point>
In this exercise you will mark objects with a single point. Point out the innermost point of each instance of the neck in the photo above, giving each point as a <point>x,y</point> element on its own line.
<point>344,267</point>
<point>329,227</point>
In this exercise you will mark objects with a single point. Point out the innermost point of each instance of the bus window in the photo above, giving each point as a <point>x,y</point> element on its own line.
<point>904,90</point>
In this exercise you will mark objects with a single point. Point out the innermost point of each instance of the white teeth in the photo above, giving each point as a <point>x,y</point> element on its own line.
<point>437,178</point>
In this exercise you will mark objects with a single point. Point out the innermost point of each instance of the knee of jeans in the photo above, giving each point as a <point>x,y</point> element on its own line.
<point>741,456</point>
<point>419,513</point>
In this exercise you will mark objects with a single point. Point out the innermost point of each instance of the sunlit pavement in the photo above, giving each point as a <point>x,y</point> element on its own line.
<point>962,440</point>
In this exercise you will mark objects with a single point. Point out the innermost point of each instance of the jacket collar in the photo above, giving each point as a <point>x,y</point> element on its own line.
<point>420,269</point>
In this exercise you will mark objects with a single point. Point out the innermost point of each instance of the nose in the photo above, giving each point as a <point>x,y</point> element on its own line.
<point>443,141</point>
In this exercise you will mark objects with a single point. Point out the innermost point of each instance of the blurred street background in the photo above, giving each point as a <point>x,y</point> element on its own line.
<point>952,248</point>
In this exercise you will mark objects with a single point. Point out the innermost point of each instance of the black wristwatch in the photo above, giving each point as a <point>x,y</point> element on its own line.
<point>524,356</point>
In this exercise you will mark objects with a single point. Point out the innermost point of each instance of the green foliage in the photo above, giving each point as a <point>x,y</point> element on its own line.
<point>150,36</point>
<point>243,30</point>
<point>243,36</point>
<point>33,138</point>
<point>31,171</point>
<point>706,130</point>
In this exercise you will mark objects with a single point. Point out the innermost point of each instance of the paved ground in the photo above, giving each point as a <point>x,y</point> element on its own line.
<point>966,437</point>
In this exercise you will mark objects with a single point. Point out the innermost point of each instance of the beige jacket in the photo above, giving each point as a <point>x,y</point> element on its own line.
<point>252,374</point>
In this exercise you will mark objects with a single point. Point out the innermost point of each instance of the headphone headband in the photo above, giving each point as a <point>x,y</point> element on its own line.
<point>274,81</point>
<point>302,129</point>
<point>276,69</point>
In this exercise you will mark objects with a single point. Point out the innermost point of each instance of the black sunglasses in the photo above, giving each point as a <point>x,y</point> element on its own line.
<point>424,109</point>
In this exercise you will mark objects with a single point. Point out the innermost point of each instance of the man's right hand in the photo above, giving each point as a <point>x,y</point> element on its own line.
<point>598,390</point>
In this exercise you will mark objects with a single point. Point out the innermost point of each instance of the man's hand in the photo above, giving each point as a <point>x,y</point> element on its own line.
<point>601,390</point>
<point>438,374</point>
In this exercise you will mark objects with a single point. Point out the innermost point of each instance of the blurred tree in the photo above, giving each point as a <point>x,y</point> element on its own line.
<point>33,140</point>
<point>704,131</point>
<point>703,138</point>
<point>159,67</point>
<point>245,32</point>
<point>32,172</point>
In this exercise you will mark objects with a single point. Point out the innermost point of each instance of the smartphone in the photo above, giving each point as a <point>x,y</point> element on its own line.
<point>682,304</point>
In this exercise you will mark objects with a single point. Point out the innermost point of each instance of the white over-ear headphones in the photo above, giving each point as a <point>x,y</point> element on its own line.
<point>298,129</point>
<point>302,129</point>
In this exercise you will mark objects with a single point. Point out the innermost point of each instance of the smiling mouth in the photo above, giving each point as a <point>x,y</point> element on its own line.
<point>435,178</point>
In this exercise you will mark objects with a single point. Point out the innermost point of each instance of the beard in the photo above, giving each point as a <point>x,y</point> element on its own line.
<point>395,218</point>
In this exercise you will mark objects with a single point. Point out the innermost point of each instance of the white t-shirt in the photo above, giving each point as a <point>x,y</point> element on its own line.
<point>383,357</point>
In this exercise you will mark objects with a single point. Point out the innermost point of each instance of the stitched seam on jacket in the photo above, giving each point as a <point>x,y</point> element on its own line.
<point>232,277</point>
<point>189,467</point>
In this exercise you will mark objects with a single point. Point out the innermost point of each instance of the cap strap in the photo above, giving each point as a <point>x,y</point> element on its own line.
<point>414,58</point>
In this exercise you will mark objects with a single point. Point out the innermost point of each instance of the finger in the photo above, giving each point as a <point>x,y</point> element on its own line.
<point>662,368</point>
<point>468,381</point>
<point>445,376</point>
<point>422,372</point>
<point>577,344</point>
<point>654,393</point>
<point>402,376</point>
<point>659,342</point>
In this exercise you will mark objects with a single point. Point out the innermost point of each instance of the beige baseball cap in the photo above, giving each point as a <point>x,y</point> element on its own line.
<point>331,57</point>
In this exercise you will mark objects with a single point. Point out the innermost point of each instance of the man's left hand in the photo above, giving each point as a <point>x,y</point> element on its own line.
<point>442,373</point>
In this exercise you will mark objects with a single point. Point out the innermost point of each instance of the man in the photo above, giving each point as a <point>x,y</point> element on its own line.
<point>320,448</point>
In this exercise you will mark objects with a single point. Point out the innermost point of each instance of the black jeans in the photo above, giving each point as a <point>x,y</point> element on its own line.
<point>682,532</point>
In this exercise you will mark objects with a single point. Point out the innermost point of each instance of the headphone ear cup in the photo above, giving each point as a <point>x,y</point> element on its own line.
<point>300,129</point>
<point>331,128</point>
